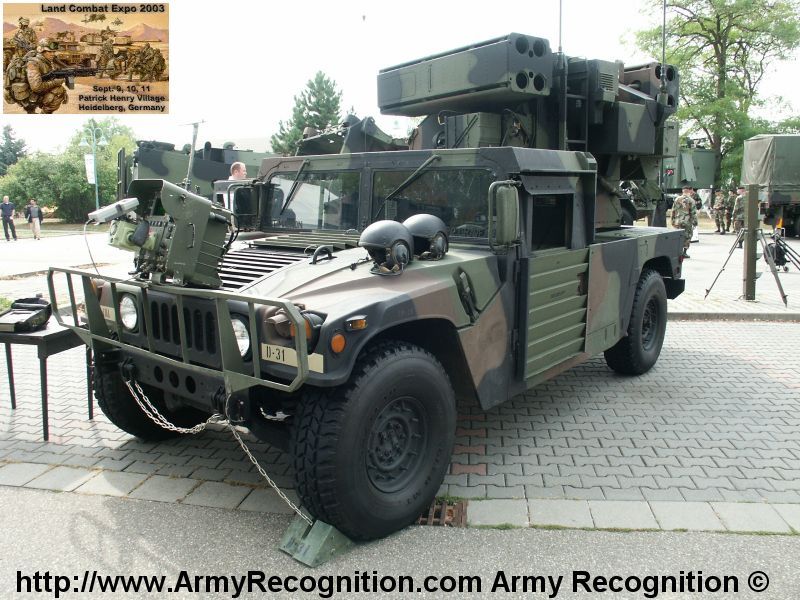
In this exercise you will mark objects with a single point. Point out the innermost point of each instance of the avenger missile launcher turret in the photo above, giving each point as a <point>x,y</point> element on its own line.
<point>388,284</point>
<point>515,91</point>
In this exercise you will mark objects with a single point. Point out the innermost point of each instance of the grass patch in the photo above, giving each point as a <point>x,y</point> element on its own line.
<point>4,303</point>
<point>501,526</point>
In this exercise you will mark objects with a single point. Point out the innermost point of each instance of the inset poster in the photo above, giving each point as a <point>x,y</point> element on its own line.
<point>86,58</point>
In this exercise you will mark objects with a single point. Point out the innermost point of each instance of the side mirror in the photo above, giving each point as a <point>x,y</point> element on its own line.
<point>504,201</point>
<point>245,207</point>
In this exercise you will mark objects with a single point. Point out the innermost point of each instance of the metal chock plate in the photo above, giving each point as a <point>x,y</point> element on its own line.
<point>314,545</point>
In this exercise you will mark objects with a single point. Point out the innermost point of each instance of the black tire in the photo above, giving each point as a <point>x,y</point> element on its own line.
<point>370,456</point>
<point>638,351</point>
<point>116,402</point>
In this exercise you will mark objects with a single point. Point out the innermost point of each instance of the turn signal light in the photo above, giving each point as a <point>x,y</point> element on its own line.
<point>338,342</point>
<point>356,323</point>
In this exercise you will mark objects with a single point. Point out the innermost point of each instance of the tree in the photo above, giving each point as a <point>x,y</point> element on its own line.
<point>317,106</point>
<point>11,150</point>
<point>59,180</point>
<point>723,49</point>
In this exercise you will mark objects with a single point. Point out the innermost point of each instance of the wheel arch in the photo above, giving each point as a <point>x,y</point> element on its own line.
<point>660,264</point>
<point>439,337</point>
<point>663,266</point>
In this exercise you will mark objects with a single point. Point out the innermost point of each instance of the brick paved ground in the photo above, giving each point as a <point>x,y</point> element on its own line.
<point>717,420</point>
<point>707,258</point>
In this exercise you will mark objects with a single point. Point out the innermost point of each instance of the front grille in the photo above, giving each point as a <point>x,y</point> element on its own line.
<point>244,266</point>
<point>200,326</point>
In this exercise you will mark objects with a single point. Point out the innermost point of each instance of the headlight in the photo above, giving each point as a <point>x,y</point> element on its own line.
<point>242,336</point>
<point>128,312</point>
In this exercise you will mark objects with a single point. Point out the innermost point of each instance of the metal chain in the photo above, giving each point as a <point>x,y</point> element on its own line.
<point>263,473</point>
<point>152,413</point>
<point>159,419</point>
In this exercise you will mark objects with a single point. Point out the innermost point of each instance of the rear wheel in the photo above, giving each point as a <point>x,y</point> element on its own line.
<point>638,351</point>
<point>115,400</point>
<point>371,455</point>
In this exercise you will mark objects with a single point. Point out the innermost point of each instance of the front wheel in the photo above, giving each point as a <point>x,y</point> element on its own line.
<point>638,351</point>
<point>370,456</point>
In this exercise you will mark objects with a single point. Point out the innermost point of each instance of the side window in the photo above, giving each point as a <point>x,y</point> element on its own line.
<point>457,196</point>
<point>552,217</point>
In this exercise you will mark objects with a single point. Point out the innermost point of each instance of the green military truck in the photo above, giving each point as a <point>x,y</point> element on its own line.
<point>161,160</point>
<point>772,162</point>
<point>388,285</point>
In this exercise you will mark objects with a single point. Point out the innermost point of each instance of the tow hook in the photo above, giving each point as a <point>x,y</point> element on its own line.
<point>235,409</point>
<point>128,369</point>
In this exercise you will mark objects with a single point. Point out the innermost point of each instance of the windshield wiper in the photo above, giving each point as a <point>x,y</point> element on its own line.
<point>294,188</point>
<point>411,179</point>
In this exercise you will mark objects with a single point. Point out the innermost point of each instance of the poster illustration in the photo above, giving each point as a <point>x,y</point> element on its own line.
<point>86,58</point>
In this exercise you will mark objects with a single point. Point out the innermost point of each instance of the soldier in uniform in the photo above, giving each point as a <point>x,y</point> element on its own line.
<point>731,199</point>
<point>118,64</point>
<point>47,95</point>
<point>684,216</point>
<point>105,55</point>
<point>140,62</point>
<point>156,66</point>
<point>720,204</point>
<point>738,212</point>
<point>25,39</point>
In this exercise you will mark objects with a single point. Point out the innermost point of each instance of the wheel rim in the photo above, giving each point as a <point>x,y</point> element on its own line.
<point>650,323</point>
<point>396,444</point>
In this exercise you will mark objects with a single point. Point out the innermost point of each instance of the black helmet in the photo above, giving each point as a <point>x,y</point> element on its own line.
<point>430,235</point>
<point>389,243</point>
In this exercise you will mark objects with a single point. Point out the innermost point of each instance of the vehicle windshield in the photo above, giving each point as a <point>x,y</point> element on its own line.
<point>330,200</point>
<point>457,196</point>
<point>320,200</point>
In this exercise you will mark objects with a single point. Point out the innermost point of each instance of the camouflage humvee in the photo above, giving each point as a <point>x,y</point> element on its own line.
<point>385,285</point>
<point>73,54</point>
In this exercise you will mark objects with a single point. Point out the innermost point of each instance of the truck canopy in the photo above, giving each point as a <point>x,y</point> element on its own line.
<point>772,161</point>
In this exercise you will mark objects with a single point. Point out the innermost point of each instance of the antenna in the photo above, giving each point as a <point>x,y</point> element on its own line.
<point>563,68</point>
<point>188,180</point>
<point>662,92</point>
<point>663,88</point>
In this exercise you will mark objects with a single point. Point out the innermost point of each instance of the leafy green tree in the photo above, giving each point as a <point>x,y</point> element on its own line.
<point>59,180</point>
<point>318,106</point>
<point>723,49</point>
<point>11,150</point>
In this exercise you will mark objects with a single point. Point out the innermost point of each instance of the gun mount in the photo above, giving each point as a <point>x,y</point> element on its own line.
<point>180,237</point>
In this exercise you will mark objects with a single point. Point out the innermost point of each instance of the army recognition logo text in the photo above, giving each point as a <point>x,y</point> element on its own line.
<point>86,58</point>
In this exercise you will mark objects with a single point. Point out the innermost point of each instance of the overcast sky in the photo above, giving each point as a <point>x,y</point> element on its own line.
<point>238,64</point>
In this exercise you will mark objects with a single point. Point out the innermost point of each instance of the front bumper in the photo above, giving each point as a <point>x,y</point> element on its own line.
<point>185,364</point>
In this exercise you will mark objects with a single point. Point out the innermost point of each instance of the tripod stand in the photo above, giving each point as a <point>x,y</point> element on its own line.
<point>767,256</point>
